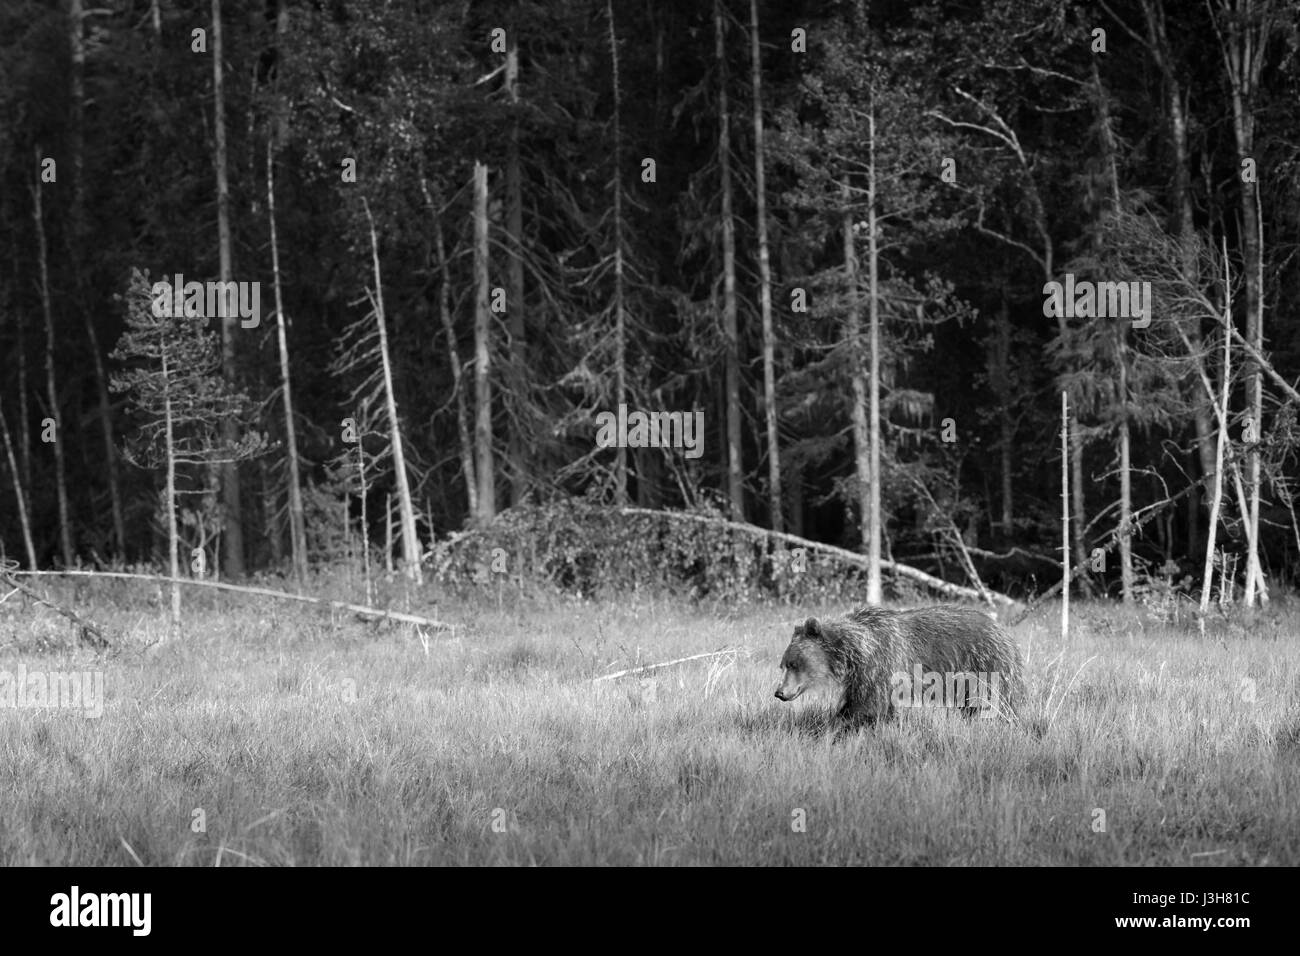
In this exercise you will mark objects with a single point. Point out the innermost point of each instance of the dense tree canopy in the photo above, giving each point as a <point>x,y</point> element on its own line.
<point>930,168</point>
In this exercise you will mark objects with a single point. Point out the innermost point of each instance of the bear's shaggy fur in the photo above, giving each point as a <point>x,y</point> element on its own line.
<point>864,652</point>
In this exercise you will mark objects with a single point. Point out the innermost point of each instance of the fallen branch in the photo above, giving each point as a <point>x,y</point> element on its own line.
<point>1265,366</point>
<point>902,570</point>
<point>243,589</point>
<point>90,632</point>
<point>987,555</point>
<point>654,667</point>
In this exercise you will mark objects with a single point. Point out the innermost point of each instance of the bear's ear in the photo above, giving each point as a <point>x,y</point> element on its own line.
<point>810,627</point>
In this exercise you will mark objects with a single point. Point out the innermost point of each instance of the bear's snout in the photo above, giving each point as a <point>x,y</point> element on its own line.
<point>787,691</point>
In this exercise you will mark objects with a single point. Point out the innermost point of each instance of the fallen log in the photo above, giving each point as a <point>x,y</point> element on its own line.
<point>89,632</point>
<point>245,589</point>
<point>902,570</point>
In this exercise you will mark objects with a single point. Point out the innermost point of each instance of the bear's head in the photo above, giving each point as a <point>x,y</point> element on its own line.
<point>804,662</point>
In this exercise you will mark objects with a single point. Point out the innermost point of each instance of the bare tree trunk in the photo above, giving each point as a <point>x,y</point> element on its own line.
<point>519,465</point>
<point>297,523</point>
<point>1221,412</point>
<point>857,381</point>
<point>1076,490</point>
<point>1253,268</point>
<point>730,323</point>
<point>173,534</point>
<point>874,592</point>
<point>1257,577</point>
<point>795,485</point>
<point>1125,476</point>
<point>765,282</point>
<point>620,307</point>
<point>268,520</point>
<point>1006,424</point>
<point>1065,515</point>
<point>410,543</point>
<point>365,521</point>
<point>51,389</point>
<point>24,519</point>
<point>482,353</point>
<point>231,499</point>
<point>24,413</point>
<point>77,93</point>
<point>388,532</point>
<point>1243,37</point>
<point>444,313</point>
<point>1110,148</point>
<point>1216,501</point>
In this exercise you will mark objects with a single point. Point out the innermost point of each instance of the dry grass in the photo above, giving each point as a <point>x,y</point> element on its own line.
<point>304,741</point>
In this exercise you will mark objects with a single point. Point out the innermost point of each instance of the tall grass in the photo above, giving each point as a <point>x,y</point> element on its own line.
<point>267,736</point>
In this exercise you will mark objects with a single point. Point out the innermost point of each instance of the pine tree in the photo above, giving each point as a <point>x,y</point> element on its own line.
<point>184,408</point>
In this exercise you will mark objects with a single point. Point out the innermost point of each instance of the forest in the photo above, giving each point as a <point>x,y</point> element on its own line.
<point>290,283</point>
<point>423,424</point>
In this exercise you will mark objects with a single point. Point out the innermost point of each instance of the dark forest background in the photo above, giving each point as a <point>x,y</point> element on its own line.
<point>995,146</point>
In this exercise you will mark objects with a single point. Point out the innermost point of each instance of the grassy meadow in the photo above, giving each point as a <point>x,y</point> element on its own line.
<point>276,734</point>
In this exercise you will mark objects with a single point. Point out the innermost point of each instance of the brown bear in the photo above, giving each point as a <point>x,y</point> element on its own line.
<point>944,655</point>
